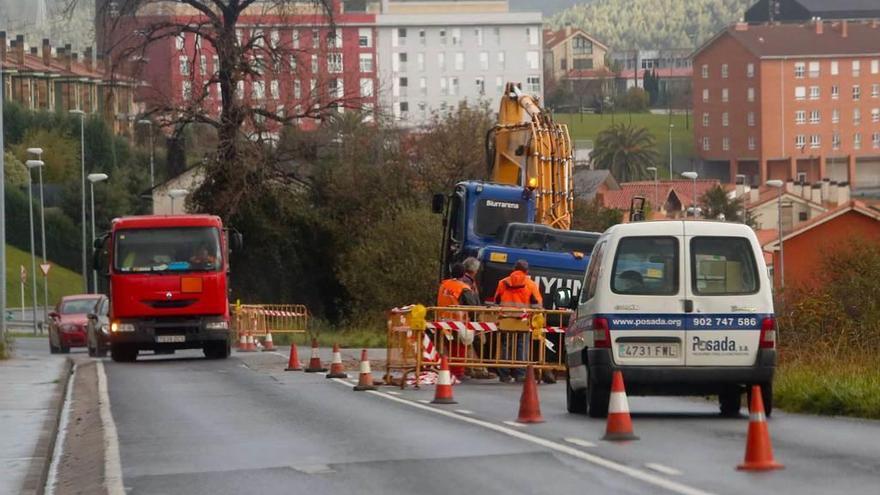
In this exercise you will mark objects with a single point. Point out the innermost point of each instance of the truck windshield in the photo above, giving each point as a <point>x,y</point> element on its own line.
<point>179,249</point>
<point>494,215</point>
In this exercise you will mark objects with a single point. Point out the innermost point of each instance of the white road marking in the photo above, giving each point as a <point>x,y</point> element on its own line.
<point>313,469</point>
<point>514,423</point>
<point>463,411</point>
<point>660,468</point>
<point>423,401</point>
<point>579,442</point>
<point>112,464</point>
<point>634,473</point>
<point>52,479</point>
<point>392,392</point>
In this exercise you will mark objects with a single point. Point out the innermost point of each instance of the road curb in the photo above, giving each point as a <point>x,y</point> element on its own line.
<point>38,471</point>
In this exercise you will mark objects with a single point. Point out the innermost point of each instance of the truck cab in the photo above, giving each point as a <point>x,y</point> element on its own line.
<point>167,284</point>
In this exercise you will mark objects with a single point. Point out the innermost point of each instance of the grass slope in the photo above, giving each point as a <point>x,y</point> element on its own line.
<point>62,281</point>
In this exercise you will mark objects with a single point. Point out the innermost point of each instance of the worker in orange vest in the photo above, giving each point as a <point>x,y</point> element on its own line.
<point>517,290</point>
<point>454,292</point>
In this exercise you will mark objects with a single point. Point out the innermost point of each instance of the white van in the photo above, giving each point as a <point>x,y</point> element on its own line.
<point>680,307</point>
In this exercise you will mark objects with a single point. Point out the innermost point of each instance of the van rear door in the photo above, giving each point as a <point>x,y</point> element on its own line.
<point>725,288</point>
<point>647,324</point>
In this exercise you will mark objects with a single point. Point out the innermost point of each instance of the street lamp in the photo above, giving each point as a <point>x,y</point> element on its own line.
<point>779,185</point>
<point>149,123</point>
<point>693,177</point>
<point>654,171</point>
<point>92,179</point>
<point>2,218</point>
<point>39,154</point>
<point>174,194</point>
<point>31,165</point>
<point>82,156</point>
<point>671,126</point>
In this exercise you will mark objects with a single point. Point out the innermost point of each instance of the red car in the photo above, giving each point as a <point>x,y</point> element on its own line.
<point>67,325</point>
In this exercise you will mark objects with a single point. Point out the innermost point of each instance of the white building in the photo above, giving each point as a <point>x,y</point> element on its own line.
<point>189,180</point>
<point>434,54</point>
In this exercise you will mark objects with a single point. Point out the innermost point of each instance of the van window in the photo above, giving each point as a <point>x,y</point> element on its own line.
<point>723,266</point>
<point>592,278</point>
<point>646,266</point>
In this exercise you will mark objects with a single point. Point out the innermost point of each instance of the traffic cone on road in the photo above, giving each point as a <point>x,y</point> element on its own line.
<point>315,361</point>
<point>443,392</point>
<point>242,342</point>
<point>336,369</point>
<point>251,346</point>
<point>619,425</point>
<point>268,345</point>
<point>365,379</point>
<point>529,405</point>
<point>293,362</point>
<point>759,451</point>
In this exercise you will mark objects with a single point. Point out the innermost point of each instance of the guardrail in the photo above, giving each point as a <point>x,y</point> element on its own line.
<point>261,319</point>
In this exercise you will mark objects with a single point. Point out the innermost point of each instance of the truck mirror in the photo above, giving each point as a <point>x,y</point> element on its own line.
<point>562,298</point>
<point>437,203</point>
<point>237,241</point>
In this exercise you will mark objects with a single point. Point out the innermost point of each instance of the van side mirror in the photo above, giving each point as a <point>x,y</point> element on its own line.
<point>562,298</point>
<point>437,203</point>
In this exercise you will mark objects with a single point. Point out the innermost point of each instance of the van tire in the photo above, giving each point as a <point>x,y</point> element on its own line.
<point>575,401</point>
<point>766,397</point>
<point>729,401</point>
<point>597,398</point>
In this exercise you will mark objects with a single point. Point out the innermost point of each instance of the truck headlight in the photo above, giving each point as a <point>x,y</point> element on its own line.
<point>121,327</point>
<point>217,325</point>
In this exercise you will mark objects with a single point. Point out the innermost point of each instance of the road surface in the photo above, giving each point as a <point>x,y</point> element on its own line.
<point>188,425</point>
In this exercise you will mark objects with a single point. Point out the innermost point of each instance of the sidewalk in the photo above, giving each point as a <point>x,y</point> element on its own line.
<point>32,386</point>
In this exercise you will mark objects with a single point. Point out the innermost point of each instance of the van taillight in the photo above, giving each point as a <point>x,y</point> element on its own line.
<point>768,333</point>
<point>601,335</point>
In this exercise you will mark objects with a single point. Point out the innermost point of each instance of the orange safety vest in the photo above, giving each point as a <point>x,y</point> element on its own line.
<point>517,289</point>
<point>449,294</point>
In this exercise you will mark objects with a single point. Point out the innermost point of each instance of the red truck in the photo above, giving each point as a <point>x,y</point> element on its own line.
<point>167,284</point>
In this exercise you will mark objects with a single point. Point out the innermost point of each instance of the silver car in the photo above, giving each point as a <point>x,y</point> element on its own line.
<point>98,328</point>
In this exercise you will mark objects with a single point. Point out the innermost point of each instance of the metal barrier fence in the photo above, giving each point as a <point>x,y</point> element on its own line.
<point>260,319</point>
<point>473,337</point>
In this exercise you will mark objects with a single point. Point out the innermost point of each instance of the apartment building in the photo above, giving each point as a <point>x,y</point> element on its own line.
<point>794,102</point>
<point>806,10</point>
<point>434,54</point>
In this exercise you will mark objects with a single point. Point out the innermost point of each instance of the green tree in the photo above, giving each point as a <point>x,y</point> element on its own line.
<point>16,173</point>
<point>716,202</point>
<point>591,216</point>
<point>626,151</point>
<point>60,152</point>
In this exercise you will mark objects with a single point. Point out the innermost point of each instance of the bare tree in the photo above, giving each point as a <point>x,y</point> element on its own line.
<point>246,125</point>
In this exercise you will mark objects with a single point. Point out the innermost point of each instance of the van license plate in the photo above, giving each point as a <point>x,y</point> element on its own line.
<point>170,339</point>
<point>658,351</point>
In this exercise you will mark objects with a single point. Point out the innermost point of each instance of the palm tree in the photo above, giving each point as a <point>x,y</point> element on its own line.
<point>626,151</point>
<point>716,202</point>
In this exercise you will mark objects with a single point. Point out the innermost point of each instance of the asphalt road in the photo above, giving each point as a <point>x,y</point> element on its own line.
<point>189,425</point>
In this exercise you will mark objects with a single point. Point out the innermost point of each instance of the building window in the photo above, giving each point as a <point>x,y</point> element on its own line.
<point>875,66</point>
<point>704,71</point>
<point>203,65</point>
<point>814,116</point>
<point>444,89</point>
<point>480,83</point>
<point>316,38</point>
<point>401,62</point>
<point>442,34</point>
<point>441,61</point>
<point>294,38</point>
<point>857,116</point>
<point>815,141</point>
<point>533,84</point>
<point>365,62</point>
<point>875,115</point>
<point>705,143</point>
<point>297,89</point>
<point>274,90</point>
<point>750,119</point>
<point>532,34</point>
<point>314,64</point>
<point>835,116</point>
<point>724,119</point>
<point>814,92</point>
<point>705,96</point>
<point>799,70</point>
<point>365,37</point>
<point>484,60</point>
<point>856,68</point>
<point>423,37</point>
<point>499,84</point>
<point>835,92</point>
<point>478,35</point>
<point>856,93</point>
<point>857,141</point>
<point>258,90</point>
<point>423,86</point>
<point>800,92</point>
<point>401,36</point>
<point>420,62</point>
<point>751,142</point>
<point>814,69</point>
<point>456,36</point>
<point>334,63</point>
<point>835,141</point>
<point>459,60</point>
<point>724,95</point>
<point>750,94</point>
<point>723,71</point>
<point>834,69</point>
<point>180,41</point>
<point>453,86</point>
<point>501,60</point>
<point>532,60</point>
<point>875,90</point>
<point>186,90</point>
<point>875,140</point>
<point>725,144</point>
<point>750,70</point>
<point>582,46</point>
<point>583,63</point>
<point>705,119</point>
<point>800,141</point>
<point>497,32</point>
<point>184,65</point>
<point>800,117</point>
<point>404,108</point>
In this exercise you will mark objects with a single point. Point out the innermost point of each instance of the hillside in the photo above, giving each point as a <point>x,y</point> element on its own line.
<point>629,24</point>
<point>62,281</point>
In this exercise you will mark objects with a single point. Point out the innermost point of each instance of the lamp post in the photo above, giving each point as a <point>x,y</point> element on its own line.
<point>671,126</point>
<point>2,219</point>
<point>92,179</point>
<point>38,152</point>
<point>149,124</point>
<point>693,177</point>
<point>82,156</point>
<point>654,171</point>
<point>32,164</point>
<point>174,194</point>
<point>779,185</point>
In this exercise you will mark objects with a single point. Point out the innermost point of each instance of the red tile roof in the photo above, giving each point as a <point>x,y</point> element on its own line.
<point>553,38</point>
<point>683,190</point>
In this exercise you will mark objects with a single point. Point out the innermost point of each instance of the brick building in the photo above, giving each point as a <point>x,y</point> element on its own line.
<point>324,62</point>
<point>790,101</point>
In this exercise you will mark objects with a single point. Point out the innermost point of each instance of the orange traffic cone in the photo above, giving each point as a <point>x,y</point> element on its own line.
<point>315,361</point>
<point>268,345</point>
<point>251,346</point>
<point>365,380</point>
<point>293,362</point>
<point>759,451</point>
<point>529,405</point>
<point>619,425</point>
<point>336,370</point>
<point>443,392</point>
<point>242,342</point>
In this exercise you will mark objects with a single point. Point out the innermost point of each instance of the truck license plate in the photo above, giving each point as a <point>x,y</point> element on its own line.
<point>660,351</point>
<point>170,339</point>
